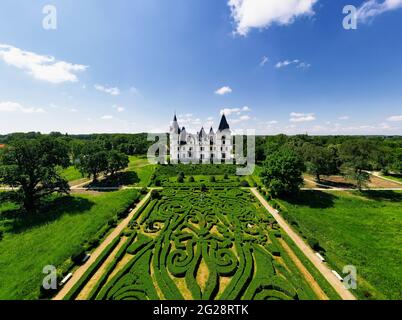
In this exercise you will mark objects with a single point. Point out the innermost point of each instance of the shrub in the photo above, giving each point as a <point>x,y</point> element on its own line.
<point>203,187</point>
<point>191,179</point>
<point>226,176</point>
<point>157,183</point>
<point>314,244</point>
<point>144,190</point>
<point>180,179</point>
<point>78,255</point>
<point>212,179</point>
<point>1,235</point>
<point>244,183</point>
<point>155,195</point>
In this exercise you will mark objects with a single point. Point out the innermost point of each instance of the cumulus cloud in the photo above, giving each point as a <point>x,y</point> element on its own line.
<point>41,67</point>
<point>224,90</point>
<point>395,118</point>
<point>301,117</point>
<point>237,111</point>
<point>372,8</point>
<point>113,91</point>
<point>343,118</point>
<point>249,14</point>
<point>8,106</point>
<point>107,117</point>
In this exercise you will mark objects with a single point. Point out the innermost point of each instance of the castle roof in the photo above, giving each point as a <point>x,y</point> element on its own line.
<point>223,124</point>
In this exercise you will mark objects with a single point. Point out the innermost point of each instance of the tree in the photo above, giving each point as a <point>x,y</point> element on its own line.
<point>357,157</point>
<point>282,172</point>
<point>320,160</point>
<point>116,161</point>
<point>93,160</point>
<point>31,166</point>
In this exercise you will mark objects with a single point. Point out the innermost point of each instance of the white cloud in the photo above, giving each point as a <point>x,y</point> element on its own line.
<point>107,117</point>
<point>9,106</point>
<point>250,14</point>
<point>395,118</point>
<point>45,68</point>
<point>299,64</point>
<point>224,90</point>
<point>264,61</point>
<point>237,111</point>
<point>118,108</point>
<point>113,91</point>
<point>343,118</point>
<point>301,117</point>
<point>239,119</point>
<point>373,8</point>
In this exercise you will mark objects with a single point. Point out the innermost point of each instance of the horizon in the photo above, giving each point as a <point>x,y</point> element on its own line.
<point>276,70</point>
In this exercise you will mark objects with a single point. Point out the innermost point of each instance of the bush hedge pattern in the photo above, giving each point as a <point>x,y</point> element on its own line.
<point>218,234</point>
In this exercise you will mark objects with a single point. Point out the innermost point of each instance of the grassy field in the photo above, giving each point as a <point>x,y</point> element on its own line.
<point>143,170</point>
<point>51,237</point>
<point>354,229</point>
<point>71,174</point>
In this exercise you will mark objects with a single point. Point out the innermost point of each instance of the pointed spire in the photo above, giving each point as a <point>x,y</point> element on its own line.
<point>223,124</point>
<point>211,131</point>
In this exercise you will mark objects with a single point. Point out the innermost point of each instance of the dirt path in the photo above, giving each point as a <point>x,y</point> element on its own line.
<point>83,295</point>
<point>378,175</point>
<point>308,252</point>
<point>307,275</point>
<point>115,233</point>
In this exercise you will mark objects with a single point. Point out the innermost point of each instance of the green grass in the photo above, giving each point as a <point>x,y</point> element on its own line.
<point>397,178</point>
<point>360,230</point>
<point>143,170</point>
<point>71,174</point>
<point>50,238</point>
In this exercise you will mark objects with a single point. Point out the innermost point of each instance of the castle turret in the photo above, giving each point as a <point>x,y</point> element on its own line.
<point>223,125</point>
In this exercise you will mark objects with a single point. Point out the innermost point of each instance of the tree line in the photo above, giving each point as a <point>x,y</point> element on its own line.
<point>286,158</point>
<point>32,162</point>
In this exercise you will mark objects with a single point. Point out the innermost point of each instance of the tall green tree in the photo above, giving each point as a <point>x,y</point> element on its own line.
<point>31,166</point>
<point>358,156</point>
<point>282,172</point>
<point>320,160</point>
<point>93,160</point>
<point>116,161</point>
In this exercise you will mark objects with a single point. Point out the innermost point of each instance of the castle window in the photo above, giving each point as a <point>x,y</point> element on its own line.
<point>223,156</point>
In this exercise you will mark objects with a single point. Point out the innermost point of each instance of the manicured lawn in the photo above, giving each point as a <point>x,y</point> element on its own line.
<point>364,231</point>
<point>51,237</point>
<point>71,174</point>
<point>143,170</point>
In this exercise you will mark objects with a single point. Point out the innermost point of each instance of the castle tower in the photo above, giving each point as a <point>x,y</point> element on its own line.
<point>202,147</point>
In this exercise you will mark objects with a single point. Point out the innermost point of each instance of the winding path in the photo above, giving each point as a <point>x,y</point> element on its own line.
<point>308,252</point>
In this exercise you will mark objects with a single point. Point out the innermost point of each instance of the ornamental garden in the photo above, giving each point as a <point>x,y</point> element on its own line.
<point>216,243</point>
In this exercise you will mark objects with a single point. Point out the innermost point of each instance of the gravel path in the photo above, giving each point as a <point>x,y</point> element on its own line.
<point>308,252</point>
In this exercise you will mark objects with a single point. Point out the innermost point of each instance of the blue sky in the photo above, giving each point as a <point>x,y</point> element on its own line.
<point>274,66</point>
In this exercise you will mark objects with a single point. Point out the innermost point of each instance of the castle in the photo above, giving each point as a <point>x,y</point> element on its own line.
<point>213,147</point>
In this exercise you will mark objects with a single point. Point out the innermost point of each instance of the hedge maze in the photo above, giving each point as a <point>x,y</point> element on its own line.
<point>189,244</point>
